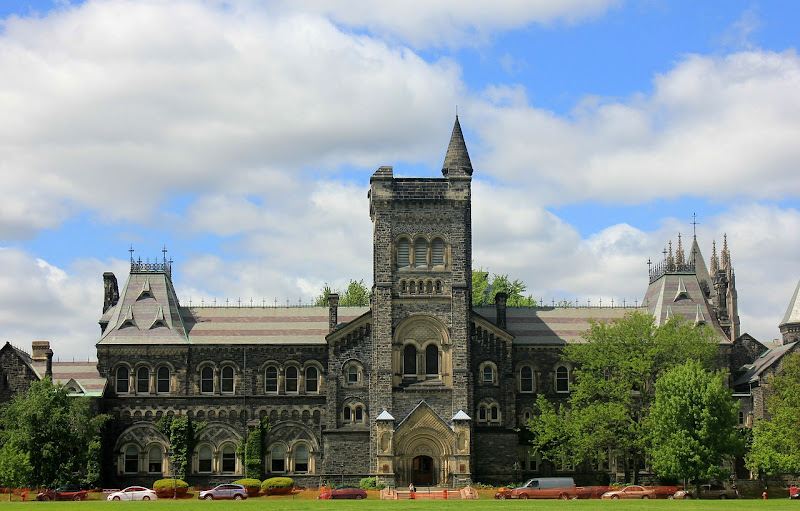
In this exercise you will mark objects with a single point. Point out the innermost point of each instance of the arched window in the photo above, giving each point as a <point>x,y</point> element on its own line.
<point>228,459</point>
<point>312,380</point>
<point>122,380</point>
<point>162,377</point>
<point>207,380</point>
<point>410,360</point>
<point>352,374</point>
<point>403,253</point>
<point>271,379</point>
<point>278,459</point>
<point>291,379</point>
<point>431,360</point>
<point>437,252</point>
<point>204,460</point>
<point>301,458</point>
<point>131,460</point>
<point>488,374</point>
<point>359,414</point>
<point>142,380</point>
<point>482,413</point>
<point>347,414</point>
<point>494,413</point>
<point>227,379</point>
<point>526,379</point>
<point>154,460</point>
<point>562,379</point>
<point>420,253</point>
<point>741,418</point>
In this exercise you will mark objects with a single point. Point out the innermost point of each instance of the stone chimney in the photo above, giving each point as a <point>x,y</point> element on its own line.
<point>39,350</point>
<point>333,311</point>
<point>500,305</point>
<point>49,367</point>
<point>110,291</point>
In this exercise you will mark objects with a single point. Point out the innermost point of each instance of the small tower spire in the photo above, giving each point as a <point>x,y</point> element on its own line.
<point>679,256</point>
<point>725,254</point>
<point>714,261</point>
<point>670,258</point>
<point>456,161</point>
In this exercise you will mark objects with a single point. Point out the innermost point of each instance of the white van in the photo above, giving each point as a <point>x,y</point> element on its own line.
<point>546,488</point>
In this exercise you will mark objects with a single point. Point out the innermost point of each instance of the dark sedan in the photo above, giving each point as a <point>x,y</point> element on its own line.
<point>69,492</point>
<point>345,492</point>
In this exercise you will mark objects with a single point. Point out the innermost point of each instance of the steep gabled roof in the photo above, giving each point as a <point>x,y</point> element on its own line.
<point>793,311</point>
<point>456,161</point>
<point>768,359</point>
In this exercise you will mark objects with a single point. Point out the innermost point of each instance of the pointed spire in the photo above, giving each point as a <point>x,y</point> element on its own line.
<point>725,254</point>
<point>456,161</point>
<point>670,258</point>
<point>714,261</point>
<point>680,260</point>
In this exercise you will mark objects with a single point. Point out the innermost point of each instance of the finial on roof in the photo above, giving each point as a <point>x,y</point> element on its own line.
<point>694,226</point>
<point>714,261</point>
<point>725,254</point>
<point>679,258</point>
<point>670,258</point>
<point>456,161</point>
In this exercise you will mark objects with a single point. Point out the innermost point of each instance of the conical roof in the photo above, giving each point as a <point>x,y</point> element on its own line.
<point>793,311</point>
<point>456,161</point>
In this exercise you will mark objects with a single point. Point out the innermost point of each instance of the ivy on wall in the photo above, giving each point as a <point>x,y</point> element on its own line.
<point>182,434</point>
<point>254,449</point>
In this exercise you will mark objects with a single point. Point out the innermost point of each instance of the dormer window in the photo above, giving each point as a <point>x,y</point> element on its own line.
<point>159,321</point>
<point>128,321</point>
<point>146,292</point>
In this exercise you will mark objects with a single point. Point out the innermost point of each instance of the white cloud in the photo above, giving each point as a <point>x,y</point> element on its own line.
<point>453,22</point>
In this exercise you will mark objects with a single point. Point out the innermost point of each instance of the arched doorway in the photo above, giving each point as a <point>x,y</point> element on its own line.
<point>422,471</point>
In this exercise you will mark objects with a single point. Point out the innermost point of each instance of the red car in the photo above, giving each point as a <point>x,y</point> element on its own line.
<point>69,492</point>
<point>630,492</point>
<point>344,492</point>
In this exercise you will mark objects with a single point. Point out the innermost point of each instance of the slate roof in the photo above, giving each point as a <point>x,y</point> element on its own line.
<point>793,311</point>
<point>456,160</point>
<point>552,326</point>
<point>767,359</point>
<point>84,373</point>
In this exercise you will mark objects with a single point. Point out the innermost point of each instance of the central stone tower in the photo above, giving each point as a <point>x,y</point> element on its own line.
<point>421,385</point>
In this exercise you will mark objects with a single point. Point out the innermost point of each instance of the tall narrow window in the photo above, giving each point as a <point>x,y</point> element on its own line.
<point>359,414</point>
<point>482,413</point>
<point>432,360</point>
<point>154,460</point>
<point>312,380</point>
<point>162,385</point>
<point>122,380</point>
<point>227,379</point>
<point>131,460</point>
<point>271,379</point>
<point>526,379</point>
<point>494,413</point>
<point>291,379</point>
<point>410,360</point>
<point>142,380</point>
<point>228,460</point>
<point>488,374</point>
<point>562,379</point>
<point>207,380</point>
<point>278,459</point>
<point>437,252</point>
<point>204,460</point>
<point>403,253</point>
<point>420,253</point>
<point>347,414</point>
<point>301,458</point>
<point>352,375</point>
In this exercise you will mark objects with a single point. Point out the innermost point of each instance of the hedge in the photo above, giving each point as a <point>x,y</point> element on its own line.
<point>248,482</point>
<point>277,482</point>
<point>170,483</point>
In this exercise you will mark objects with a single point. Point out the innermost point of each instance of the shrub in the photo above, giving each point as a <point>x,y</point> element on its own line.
<point>167,487</point>
<point>253,486</point>
<point>278,485</point>
<point>369,483</point>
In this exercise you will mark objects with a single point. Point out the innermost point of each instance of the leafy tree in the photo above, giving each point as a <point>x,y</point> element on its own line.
<point>484,290</point>
<point>15,467</point>
<point>692,423</point>
<point>55,431</point>
<point>356,295</point>
<point>614,384</point>
<point>776,437</point>
<point>182,434</point>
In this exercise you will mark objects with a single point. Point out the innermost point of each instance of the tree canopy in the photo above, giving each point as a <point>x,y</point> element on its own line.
<point>776,437</point>
<point>54,437</point>
<point>614,374</point>
<point>356,295</point>
<point>692,423</point>
<point>485,288</point>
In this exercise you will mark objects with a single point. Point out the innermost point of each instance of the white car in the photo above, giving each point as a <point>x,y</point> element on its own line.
<point>133,493</point>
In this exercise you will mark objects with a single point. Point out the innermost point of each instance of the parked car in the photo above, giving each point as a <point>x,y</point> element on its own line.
<point>68,492</point>
<point>224,491</point>
<point>591,492</point>
<point>664,492</point>
<point>343,492</point>
<point>630,492</point>
<point>546,488</point>
<point>133,493</point>
<point>708,491</point>
<point>504,493</point>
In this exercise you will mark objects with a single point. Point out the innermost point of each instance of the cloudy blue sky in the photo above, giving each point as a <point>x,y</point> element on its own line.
<point>242,134</point>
